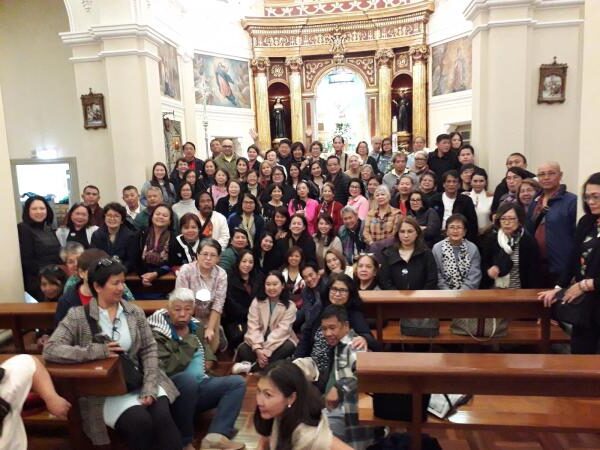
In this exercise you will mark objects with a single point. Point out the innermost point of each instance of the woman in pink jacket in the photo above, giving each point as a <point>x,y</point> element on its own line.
<point>269,336</point>
<point>305,205</point>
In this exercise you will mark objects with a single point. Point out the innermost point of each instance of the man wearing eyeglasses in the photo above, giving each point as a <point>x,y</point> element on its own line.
<point>227,160</point>
<point>551,220</point>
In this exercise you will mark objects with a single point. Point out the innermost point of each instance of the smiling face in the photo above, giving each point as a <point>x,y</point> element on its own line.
<point>478,183</point>
<point>310,277</point>
<point>526,194</point>
<point>372,185</point>
<point>186,192</point>
<point>220,178</point>
<point>315,151</point>
<point>208,257</point>
<point>248,205</point>
<point>191,178</point>
<point>466,175</point>
<point>50,290</point>
<point>456,142</point>
<point>427,183</point>
<point>456,232</point>
<point>297,226</point>
<point>273,287</point>
<point>279,219</point>
<point>190,231</point>
<point>210,169</point>
<point>278,176</point>
<point>294,259</point>
<point>112,219</point>
<point>365,269</point>
<point>233,189</point>
<point>382,198</point>
<point>161,217</point>
<point>415,201</point>
<point>315,170</point>
<point>354,162</point>
<point>324,227</point>
<point>339,294</point>
<point>80,217</point>
<point>592,198</point>
<point>112,291</point>
<point>37,211</point>
<point>338,145</point>
<point>405,186</point>
<point>159,172</point>
<point>302,191</point>
<point>246,264</point>
<point>334,330</point>
<point>266,243</point>
<point>239,241</point>
<point>242,167</point>
<point>354,189</point>
<point>276,194</point>
<point>294,172</point>
<point>189,152</point>
<point>333,166</point>
<point>252,154</point>
<point>333,263</point>
<point>362,150</point>
<point>327,193</point>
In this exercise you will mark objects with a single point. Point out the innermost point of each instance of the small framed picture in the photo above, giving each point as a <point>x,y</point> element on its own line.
<point>553,81</point>
<point>93,110</point>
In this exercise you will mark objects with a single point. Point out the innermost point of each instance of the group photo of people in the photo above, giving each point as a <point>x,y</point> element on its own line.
<point>265,257</point>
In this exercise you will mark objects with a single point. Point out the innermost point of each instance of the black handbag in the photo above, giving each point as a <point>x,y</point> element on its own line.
<point>577,313</point>
<point>397,406</point>
<point>132,372</point>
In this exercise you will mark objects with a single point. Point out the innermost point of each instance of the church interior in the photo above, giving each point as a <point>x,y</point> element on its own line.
<point>96,92</point>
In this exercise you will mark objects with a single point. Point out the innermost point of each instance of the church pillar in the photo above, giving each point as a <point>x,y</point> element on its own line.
<point>419,74</point>
<point>263,125</point>
<point>384,59</point>
<point>11,278</point>
<point>294,63</point>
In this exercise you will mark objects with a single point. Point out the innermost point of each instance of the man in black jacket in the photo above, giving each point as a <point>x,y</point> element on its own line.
<point>442,159</point>
<point>514,160</point>
<point>339,179</point>
<point>451,202</point>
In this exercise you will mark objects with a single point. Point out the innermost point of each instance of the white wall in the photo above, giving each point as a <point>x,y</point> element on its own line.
<point>447,23</point>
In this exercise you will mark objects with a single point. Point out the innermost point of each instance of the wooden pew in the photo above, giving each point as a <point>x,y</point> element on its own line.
<point>19,317</point>
<point>163,285</point>
<point>488,374</point>
<point>99,378</point>
<point>504,303</point>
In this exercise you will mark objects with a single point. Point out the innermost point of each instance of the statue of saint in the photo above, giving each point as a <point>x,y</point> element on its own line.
<point>404,113</point>
<point>278,120</point>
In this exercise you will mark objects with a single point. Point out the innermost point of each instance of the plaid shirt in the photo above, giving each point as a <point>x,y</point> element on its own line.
<point>378,228</point>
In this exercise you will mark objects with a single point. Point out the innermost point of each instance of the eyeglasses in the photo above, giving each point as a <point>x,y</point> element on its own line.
<point>339,291</point>
<point>107,262</point>
<point>456,227</point>
<point>416,200</point>
<point>591,198</point>
<point>208,255</point>
<point>115,335</point>
<point>508,219</point>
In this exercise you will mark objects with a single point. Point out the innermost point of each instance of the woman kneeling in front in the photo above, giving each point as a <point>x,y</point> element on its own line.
<point>111,327</point>
<point>289,412</point>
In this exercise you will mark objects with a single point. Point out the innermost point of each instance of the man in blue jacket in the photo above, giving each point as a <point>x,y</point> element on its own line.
<point>551,218</point>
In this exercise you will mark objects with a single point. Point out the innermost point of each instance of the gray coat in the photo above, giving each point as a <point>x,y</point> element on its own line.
<point>71,343</point>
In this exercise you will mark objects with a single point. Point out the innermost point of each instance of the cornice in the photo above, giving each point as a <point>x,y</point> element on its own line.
<point>477,6</point>
<point>100,32</point>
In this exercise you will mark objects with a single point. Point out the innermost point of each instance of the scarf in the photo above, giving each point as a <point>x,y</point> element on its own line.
<point>508,245</point>
<point>156,251</point>
<point>206,228</point>
<point>455,269</point>
<point>247,224</point>
<point>189,249</point>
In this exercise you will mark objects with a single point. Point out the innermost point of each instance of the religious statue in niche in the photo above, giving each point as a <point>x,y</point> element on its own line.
<point>278,130</point>
<point>402,110</point>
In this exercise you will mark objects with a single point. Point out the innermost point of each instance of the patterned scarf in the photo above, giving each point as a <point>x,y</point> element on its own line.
<point>455,269</point>
<point>508,244</point>
<point>156,251</point>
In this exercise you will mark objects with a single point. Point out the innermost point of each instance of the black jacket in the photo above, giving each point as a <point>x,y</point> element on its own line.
<point>288,194</point>
<point>428,217</point>
<point>340,182</point>
<point>227,209</point>
<point>585,225</point>
<point>239,299</point>
<point>125,245</point>
<point>68,300</point>
<point>493,255</point>
<point>272,260</point>
<point>462,205</point>
<point>305,242</point>
<point>440,165</point>
<point>420,272</point>
<point>142,267</point>
<point>502,189</point>
<point>39,247</point>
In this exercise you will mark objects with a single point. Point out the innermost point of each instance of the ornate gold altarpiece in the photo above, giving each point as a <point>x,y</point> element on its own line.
<point>378,44</point>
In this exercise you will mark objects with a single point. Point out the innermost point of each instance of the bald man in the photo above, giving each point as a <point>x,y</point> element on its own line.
<point>227,160</point>
<point>551,218</point>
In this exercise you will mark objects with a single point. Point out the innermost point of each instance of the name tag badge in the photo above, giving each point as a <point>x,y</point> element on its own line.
<point>203,295</point>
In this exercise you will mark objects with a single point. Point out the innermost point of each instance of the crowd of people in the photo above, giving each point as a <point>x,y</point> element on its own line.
<point>270,252</point>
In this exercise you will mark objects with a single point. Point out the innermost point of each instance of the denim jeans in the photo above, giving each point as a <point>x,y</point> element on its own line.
<point>224,393</point>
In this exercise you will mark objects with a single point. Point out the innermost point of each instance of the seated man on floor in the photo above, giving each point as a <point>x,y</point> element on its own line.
<point>185,357</point>
<point>341,395</point>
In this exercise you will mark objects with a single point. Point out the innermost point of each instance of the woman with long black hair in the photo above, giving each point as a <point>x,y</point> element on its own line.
<point>160,179</point>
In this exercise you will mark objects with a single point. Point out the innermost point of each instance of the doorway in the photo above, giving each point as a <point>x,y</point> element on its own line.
<point>341,105</point>
<point>55,180</point>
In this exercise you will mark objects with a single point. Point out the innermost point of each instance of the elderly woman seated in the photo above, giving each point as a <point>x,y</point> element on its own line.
<point>186,357</point>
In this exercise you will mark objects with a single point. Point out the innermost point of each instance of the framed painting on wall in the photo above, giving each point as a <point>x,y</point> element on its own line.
<point>168,70</point>
<point>228,81</point>
<point>451,67</point>
<point>172,132</point>
<point>553,81</point>
<point>93,110</point>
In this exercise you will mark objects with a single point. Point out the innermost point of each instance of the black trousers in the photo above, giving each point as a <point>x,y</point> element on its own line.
<point>285,350</point>
<point>149,427</point>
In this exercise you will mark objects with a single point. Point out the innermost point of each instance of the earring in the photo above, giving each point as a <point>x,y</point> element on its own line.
<point>289,406</point>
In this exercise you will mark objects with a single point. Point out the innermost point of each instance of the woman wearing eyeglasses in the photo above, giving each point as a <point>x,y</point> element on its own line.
<point>141,417</point>
<point>510,256</point>
<point>340,290</point>
<point>426,217</point>
<point>209,282</point>
<point>583,270</point>
<point>458,260</point>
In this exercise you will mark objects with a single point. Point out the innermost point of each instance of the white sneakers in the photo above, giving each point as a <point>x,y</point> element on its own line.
<point>215,441</point>
<point>241,367</point>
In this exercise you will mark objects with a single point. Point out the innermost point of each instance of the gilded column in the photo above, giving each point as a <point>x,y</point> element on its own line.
<point>384,57</point>
<point>419,72</point>
<point>294,63</point>
<point>260,66</point>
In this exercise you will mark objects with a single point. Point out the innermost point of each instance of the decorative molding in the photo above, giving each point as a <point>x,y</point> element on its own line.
<point>341,33</point>
<point>402,62</point>
<point>451,100</point>
<point>419,53</point>
<point>128,52</point>
<point>260,64</point>
<point>312,70</point>
<point>294,63</point>
<point>313,8</point>
<point>87,5</point>
<point>525,22</point>
<point>477,6</point>
<point>384,57</point>
<point>98,33</point>
<point>366,66</point>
